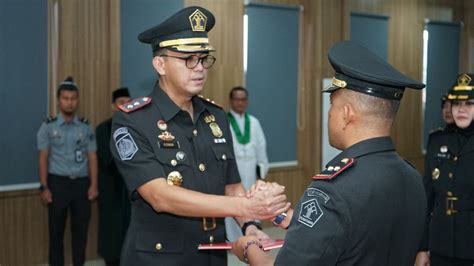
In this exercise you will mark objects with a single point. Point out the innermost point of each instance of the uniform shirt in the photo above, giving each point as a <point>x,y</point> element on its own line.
<point>200,151</point>
<point>448,169</point>
<point>67,145</point>
<point>250,154</point>
<point>371,213</point>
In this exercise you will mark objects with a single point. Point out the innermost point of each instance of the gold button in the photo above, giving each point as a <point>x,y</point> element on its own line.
<point>202,167</point>
<point>158,246</point>
<point>450,194</point>
<point>224,157</point>
<point>174,162</point>
<point>450,175</point>
<point>455,158</point>
<point>195,132</point>
<point>211,239</point>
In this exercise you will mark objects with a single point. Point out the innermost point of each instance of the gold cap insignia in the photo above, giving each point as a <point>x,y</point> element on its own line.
<point>198,20</point>
<point>464,80</point>
<point>339,83</point>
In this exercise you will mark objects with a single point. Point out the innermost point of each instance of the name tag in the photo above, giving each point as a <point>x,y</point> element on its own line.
<point>168,144</point>
<point>79,156</point>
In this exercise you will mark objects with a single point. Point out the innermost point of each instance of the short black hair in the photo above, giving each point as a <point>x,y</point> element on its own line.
<point>67,85</point>
<point>238,88</point>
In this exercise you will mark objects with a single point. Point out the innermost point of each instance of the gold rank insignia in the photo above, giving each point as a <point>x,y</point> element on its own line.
<point>166,136</point>
<point>174,179</point>
<point>216,130</point>
<point>198,20</point>
<point>210,118</point>
<point>161,124</point>
<point>333,170</point>
<point>435,174</point>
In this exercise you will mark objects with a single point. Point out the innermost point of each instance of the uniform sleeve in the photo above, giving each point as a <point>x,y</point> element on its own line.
<point>42,137</point>
<point>261,144</point>
<point>427,182</point>
<point>91,144</point>
<point>233,176</point>
<point>133,153</point>
<point>319,228</point>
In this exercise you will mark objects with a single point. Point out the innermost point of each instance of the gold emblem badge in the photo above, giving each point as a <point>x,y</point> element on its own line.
<point>174,179</point>
<point>166,136</point>
<point>161,124</point>
<point>216,130</point>
<point>210,118</point>
<point>339,83</point>
<point>464,80</point>
<point>198,21</point>
<point>435,173</point>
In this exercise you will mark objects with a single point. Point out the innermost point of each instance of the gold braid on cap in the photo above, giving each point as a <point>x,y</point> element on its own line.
<point>339,83</point>
<point>184,41</point>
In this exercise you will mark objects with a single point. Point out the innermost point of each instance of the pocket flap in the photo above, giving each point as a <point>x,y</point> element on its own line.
<point>159,242</point>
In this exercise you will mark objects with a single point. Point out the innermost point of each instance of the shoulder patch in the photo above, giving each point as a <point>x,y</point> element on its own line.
<point>409,163</point>
<point>50,119</point>
<point>332,171</point>
<point>210,101</point>
<point>134,105</point>
<point>84,120</point>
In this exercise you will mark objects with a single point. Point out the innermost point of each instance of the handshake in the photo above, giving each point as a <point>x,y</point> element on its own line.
<point>265,200</point>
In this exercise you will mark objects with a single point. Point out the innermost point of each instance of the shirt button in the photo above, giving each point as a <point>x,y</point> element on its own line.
<point>158,246</point>
<point>195,132</point>
<point>224,157</point>
<point>455,158</point>
<point>450,175</point>
<point>174,162</point>
<point>202,167</point>
<point>211,239</point>
<point>449,194</point>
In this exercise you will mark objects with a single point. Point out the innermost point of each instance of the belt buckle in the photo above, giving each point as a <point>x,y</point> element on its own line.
<point>211,225</point>
<point>450,205</point>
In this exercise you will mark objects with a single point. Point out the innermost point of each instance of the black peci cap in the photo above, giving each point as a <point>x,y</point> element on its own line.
<point>68,84</point>
<point>185,31</point>
<point>360,70</point>
<point>463,89</point>
<point>120,92</point>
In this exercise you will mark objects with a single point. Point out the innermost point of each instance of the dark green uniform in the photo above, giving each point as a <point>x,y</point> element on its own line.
<point>366,208</point>
<point>156,139</point>
<point>113,203</point>
<point>449,185</point>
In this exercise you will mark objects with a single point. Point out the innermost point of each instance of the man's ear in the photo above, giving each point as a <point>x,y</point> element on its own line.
<point>159,65</point>
<point>348,114</point>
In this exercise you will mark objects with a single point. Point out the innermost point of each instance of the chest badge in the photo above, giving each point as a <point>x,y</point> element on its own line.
<point>161,124</point>
<point>443,149</point>
<point>180,155</point>
<point>216,130</point>
<point>435,174</point>
<point>209,119</point>
<point>166,136</point>
<point>174,178</point>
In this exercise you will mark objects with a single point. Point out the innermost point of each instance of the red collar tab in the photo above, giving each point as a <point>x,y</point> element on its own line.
<point>332,171</point>
<point>135,104</point>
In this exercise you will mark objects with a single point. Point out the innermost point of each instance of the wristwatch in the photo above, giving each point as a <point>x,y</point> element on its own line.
<point>279,218</point>
<point>255,223</point>
<point>43,187</point>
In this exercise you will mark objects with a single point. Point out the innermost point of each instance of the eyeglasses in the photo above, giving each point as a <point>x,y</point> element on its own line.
<point>193,60</point>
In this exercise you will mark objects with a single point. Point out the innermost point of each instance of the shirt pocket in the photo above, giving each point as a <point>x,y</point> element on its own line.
<point>57,139</point>
<point>81,140</point>
<point>159,242</point>
<point>175,160</point>
<point>223,156</point>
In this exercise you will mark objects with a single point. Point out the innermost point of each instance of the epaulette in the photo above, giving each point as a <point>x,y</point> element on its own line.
<point>332,171</point>
<point>210,101</point>
<point>50,119</point>
<point>84,120</point>
<point>134,105</point>
<point>409,163</point>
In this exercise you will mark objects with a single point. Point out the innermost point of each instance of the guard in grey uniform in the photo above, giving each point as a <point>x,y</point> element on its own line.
<point>68,174</point>
<point>174,151</point>
<point>367,206</point>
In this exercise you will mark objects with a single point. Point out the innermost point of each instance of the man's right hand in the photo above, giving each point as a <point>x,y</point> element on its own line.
<point>422,259</point>
<point>266,202</point>
<point>46,197</point>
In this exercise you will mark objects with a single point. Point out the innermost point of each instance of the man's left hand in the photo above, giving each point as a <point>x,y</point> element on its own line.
<point>252,230</point>
<point>92,192</point>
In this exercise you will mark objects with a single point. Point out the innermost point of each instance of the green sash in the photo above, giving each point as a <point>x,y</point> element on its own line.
<point>242,139</point>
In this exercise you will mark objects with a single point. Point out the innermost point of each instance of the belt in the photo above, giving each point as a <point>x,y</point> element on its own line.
<point>454,204</point>
<point>72,177</point>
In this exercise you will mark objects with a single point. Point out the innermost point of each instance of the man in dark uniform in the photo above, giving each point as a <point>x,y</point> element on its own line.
<point>449,185</point>
<point>367,207</point>
<point>113,203</point>
<point>174,151</point>
<point>68,174</point>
